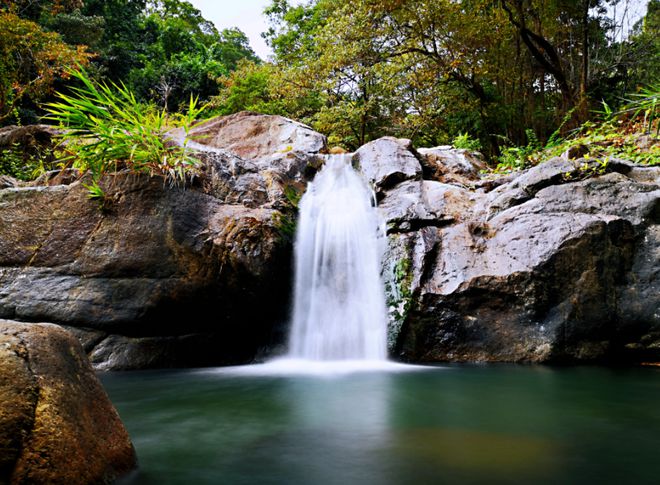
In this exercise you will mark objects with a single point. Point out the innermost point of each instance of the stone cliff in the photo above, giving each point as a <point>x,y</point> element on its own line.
<point>557,263</point>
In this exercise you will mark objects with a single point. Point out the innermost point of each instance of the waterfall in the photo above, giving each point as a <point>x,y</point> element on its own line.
<point>339,307</point>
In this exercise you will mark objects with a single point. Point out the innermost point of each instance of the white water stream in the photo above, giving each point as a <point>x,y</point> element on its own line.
<point>339,308</point>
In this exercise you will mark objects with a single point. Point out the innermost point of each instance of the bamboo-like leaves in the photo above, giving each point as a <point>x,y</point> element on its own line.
<point>107,128</point>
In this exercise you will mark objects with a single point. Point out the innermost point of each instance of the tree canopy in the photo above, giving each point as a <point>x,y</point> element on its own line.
<point>433,69</point>
<point>163,50</point>
<point>506,72</point>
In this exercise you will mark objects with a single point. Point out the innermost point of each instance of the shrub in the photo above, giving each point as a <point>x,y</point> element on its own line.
<point>15,163</point>
<point>646,104</point>
<point>108,129</point>
<point>465,141</point>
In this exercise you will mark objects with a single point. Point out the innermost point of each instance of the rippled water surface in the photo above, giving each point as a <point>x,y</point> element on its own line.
<point>457,424</point>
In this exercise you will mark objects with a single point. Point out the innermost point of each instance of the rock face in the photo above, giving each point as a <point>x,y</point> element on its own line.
<point>253,136</point>
<point>57,425</point>
<point>164,276</point>
<point>448,165</point>
<point>561,263</point>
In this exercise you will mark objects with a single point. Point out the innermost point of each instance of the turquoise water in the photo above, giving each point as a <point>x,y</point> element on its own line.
<point>457,424</point>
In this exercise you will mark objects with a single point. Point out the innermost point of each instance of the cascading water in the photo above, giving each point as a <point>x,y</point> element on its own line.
<point>339,308</point>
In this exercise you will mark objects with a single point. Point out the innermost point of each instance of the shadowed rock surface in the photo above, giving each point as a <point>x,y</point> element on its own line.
<point>57,424</point>
<point>162,276</point>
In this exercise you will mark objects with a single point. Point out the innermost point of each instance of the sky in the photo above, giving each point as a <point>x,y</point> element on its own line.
<point>247,15</point>
<point>627,13</point>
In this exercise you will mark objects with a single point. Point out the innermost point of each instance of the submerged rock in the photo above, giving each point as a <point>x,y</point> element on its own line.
<point>57,424</point>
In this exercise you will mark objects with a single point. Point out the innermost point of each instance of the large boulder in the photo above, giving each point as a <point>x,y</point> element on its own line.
<point>57,425</point>
<point>256,160</point>
<point>561,262</point>
<point>450,165</point>
<point>194,275</point>
<point>29,138</point>
<point>255,137</point>
<point>387,161</point>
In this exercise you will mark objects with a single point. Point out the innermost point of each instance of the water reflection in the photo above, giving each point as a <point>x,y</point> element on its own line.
<point>497,424</point>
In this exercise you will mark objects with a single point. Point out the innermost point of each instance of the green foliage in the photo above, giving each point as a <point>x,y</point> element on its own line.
<point>172,83</point>
<point>285,223</point>
<point>430,70</point>
<point>78,29</point>
<point>97,194</point>
<point>292,195</point>
<point>108,129</point>
<point>31,61</point>
<point>265,88</point>
<point>21,164</point>
<point>399,293</point>
<point>184,55</point>
<point>163,50</point>
<point>233,47</point>
<point>513,158</point>
<point>124,37</point>
<point>519,157</point>
<point>285,220</point>
<point>249,88</point>
<point>293,30</point>
<point>629,134</point>
<point>645,103</point>
<point>465,141</point>
<point>589,168</point>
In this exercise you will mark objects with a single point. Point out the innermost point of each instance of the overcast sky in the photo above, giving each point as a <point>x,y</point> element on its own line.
<point>248,16</point>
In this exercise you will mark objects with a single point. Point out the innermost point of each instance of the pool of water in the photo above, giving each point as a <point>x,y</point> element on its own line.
<point>455,424</point>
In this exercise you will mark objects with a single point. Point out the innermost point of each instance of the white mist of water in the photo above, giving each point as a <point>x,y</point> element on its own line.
<point>339,308</point>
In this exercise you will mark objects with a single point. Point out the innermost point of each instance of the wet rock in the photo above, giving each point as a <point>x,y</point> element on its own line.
<point>646,142</point>
<point>57,425</point>
<point>27,137</point>
<point>159,256</point>
<point>7,181</point>
<point>32,142</point>
<point>575,151</point>
<point>403,204</point>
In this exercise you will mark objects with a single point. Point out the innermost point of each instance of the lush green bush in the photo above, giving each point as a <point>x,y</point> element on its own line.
<point>465,141</point>
<point>517,158</point>
<point>646,103</point>
<point>108,130</point>
<point>18,163</point>
<point>630,134</point>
